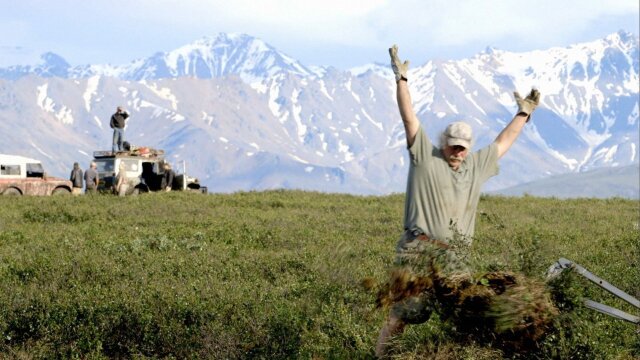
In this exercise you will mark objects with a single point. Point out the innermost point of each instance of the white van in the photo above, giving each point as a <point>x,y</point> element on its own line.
<point>20,175</point>
<point>144,170</point>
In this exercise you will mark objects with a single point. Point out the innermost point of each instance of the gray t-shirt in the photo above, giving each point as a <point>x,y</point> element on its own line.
<point>90,178</point>
<point>439,200</point>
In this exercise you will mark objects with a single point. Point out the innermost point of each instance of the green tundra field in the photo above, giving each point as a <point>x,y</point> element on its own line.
<point>278,275</point>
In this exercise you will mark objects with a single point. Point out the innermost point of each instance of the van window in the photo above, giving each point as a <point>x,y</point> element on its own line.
<point>9,169</point>
<point>104,165</point>
<point>35,170</point>
<point>130,165</point>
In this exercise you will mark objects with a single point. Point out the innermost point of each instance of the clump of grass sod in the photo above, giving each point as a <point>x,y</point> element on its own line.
<point>501,308</point>
<point>276,275</point>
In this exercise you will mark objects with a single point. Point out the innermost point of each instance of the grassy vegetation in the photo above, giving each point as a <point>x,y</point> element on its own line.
<point>277,275</point>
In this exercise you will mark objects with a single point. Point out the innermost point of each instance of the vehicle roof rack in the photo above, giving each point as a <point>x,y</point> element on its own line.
<point>141,151</point>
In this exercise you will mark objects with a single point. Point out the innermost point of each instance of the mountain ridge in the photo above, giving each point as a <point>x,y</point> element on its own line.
<point>599,183</point>
<point>321,128</point>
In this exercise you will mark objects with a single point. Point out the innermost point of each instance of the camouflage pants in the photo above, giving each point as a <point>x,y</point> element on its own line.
<point>421,256</point>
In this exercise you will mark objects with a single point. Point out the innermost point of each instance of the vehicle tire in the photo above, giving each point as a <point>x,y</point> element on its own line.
<point>60,191</point>
<point>12,191</point>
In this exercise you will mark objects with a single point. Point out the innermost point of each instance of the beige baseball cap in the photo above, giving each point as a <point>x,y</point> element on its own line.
<point>458,133</point>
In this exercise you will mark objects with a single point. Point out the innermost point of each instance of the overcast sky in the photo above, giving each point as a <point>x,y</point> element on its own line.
<point>341,33</point>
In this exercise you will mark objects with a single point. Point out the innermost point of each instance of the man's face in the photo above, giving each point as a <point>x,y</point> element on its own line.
<point>455,155</point>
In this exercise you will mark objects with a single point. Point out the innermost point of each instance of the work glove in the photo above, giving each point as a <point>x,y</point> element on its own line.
<point>528,104</point>
<point>399,68</point>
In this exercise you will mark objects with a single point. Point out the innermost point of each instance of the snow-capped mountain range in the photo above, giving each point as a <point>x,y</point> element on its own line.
<point>245,116</point>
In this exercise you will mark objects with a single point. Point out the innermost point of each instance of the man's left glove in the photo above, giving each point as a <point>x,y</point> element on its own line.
<point>399,68</point>
<point>528,104</point>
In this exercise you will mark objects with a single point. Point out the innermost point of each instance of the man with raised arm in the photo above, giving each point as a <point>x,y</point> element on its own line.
<point>117,123</point>
<point>443,190</point>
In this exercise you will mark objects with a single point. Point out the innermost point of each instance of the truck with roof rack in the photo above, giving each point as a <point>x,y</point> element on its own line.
<point>144,168</point>
<point>20,175</point>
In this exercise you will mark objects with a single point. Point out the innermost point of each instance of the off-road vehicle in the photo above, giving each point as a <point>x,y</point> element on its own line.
<point>144,169</point>
<point>23,176</point>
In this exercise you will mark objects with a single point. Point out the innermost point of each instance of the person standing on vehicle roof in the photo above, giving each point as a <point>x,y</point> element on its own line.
<point>117,124</point>
<point>443,191</point>
<point>76,179</point>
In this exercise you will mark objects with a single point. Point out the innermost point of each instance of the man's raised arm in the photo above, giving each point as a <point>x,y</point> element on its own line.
<point>510,133</point>
<point>409,118</point>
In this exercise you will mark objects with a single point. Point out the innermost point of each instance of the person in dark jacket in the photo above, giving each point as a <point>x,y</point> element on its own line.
<point>76,179</point>
<point>169,175</point>
<point>117,124</point>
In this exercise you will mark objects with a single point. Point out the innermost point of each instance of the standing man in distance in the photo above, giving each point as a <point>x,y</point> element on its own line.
<point>443,190</point>
<point>122,182</point>
<point>117,124</point>
<point>76,179</point>
<point>91,179</point>
<point>168,177</point>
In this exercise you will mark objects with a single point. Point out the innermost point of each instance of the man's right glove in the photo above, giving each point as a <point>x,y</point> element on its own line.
<point>399,68</point>
<point>528,104</point>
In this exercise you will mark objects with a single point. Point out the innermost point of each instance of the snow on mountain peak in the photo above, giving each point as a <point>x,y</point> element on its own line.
<point>621,37</point>
<point>382,70</point>
<point>222,55</point>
